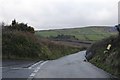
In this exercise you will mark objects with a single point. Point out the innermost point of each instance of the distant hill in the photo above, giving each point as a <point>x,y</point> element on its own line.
<point>92,33</point>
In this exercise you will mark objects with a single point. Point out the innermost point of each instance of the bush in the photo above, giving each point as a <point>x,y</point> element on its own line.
<point>18,26</point>
<point>20,44</point>
<point>109,61</point>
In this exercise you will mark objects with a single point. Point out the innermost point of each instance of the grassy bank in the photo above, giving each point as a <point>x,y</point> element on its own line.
<point>109,61</point>
<point>25,45</point>
<point>18,44</point>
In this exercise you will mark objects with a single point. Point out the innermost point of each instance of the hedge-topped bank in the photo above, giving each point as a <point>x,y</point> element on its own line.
<point>19,42</point>
<point>109,61</point>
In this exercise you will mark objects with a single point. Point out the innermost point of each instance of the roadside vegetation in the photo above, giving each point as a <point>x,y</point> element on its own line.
<point>110,60</point>
<point>20,42</point>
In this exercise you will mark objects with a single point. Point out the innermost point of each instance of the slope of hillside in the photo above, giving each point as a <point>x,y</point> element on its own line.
<point>86,33</point>
<point>19,42</point>
<point>109,61</point>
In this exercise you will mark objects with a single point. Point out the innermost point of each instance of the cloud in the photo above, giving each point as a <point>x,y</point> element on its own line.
<point>48,14</point>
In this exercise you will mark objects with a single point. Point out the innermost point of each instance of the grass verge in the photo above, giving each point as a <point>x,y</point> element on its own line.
<point>109,61</point>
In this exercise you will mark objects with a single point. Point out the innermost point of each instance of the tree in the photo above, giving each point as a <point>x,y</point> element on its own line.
<point>30,29</point>
<point>13,22</point>
<point>20,27</point>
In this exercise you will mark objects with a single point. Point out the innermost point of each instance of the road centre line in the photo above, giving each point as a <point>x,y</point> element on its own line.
<point>34,64</point>
<point>36,70</point>
<point>32,75</point>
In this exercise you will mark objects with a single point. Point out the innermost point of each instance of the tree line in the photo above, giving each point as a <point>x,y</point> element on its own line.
<point>18,26</point>
<point>64,37</point>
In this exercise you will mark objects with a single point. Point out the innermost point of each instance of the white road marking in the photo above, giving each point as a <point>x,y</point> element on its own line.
<point>18,68</point>
<point>14,67</point>
<point>43,63</point>
<point>35,64</point>
<point>36,70</point>
<point>32,75</point>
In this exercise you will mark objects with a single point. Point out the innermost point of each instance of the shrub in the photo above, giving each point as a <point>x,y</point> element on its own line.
<point>109,61</point>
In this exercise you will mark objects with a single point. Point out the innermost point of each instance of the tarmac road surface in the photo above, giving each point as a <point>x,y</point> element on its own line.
<point>71,66</point>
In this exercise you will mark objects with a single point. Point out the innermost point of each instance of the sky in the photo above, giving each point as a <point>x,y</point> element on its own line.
<point>58,14</point>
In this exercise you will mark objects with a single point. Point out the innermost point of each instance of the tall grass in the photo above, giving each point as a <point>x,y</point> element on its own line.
<point>25,45</point>
<point>17,44</point>
<point>109,61</point>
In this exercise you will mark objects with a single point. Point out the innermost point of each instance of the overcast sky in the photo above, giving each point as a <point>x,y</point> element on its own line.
<point>54,14</point>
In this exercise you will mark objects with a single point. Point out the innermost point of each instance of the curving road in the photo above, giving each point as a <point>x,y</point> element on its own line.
<point>71,66</point>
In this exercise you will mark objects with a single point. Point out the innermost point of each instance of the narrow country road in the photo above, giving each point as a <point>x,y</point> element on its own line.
<point>71,66</point>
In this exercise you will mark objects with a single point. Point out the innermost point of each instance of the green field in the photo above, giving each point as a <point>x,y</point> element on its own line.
<point>86,33</point>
